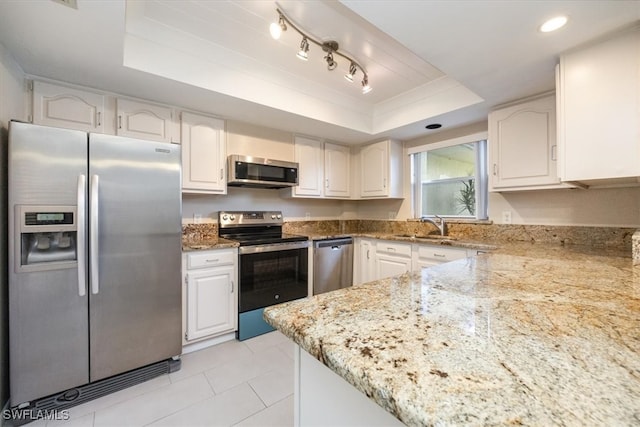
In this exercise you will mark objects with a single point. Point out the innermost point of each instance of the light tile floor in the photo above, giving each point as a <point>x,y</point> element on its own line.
<point>235,383</point>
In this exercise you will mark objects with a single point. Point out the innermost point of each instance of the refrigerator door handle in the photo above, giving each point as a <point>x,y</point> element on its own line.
<point>81,235</point>
<point>93,235</point>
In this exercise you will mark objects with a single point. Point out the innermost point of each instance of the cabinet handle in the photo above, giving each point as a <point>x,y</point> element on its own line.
<point>99,118</point>
<point>221,173</point>
<point>554,153</point>
<point>212,260</point>
<point>368,254</point>
<point>391,249</point>
<point>119,122</point>
<point>326,183</point>
<point>495,169</point>
<point>232,286</point>
<point>439,255</point>
<point>384,183</point>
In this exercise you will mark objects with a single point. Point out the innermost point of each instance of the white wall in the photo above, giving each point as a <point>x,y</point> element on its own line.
<point>260,199</point>
<point>12,106</point>
<point>618,207</point>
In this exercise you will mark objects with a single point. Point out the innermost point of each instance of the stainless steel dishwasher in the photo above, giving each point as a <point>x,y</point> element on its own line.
<point>332,264</point>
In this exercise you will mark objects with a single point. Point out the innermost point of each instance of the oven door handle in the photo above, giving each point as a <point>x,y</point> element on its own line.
<point>274,247</point>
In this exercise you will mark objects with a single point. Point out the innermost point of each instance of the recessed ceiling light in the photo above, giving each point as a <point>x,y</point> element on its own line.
<point>553,24</point>
<point>433,126</point>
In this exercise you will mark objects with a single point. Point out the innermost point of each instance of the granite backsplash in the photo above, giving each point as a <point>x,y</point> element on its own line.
<point>491,233</point>
<point>619,237</point>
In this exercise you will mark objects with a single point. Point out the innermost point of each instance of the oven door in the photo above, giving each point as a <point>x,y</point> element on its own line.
<point>271,274</point>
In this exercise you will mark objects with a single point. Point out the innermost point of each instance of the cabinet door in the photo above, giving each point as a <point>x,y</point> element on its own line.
<point>419,264</point>
<point>374,167</point>
<point>390,265</point>
<point>600,110</point>
<point>145,121</point>
<point>69,108</point>
<point>309,155</point>
<point>366,268</point>
<point>210,302</point>
<point>522,142</point>
<point>336,170</point>
<point>203,154</point>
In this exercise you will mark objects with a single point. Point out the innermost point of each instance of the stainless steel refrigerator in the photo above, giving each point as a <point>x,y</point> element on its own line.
<point>94,258</point>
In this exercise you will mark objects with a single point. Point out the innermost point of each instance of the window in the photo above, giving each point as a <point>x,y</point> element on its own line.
<point>449,178</point>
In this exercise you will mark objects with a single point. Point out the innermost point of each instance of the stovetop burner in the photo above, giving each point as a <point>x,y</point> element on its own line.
<point>254,228</point>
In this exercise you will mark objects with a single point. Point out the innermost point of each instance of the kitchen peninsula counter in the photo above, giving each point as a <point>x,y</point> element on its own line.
<point>527,334</point>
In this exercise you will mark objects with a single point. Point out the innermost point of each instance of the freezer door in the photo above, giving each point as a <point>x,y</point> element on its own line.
<point>135,250</point>
<point>48,312</point>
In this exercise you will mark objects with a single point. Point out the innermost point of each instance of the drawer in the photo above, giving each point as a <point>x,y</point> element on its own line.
<point>400,249</point>
<point>211,258</point>
<point>439,253</point>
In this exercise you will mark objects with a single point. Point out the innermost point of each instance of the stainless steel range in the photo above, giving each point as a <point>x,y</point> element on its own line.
<point>272,266</point>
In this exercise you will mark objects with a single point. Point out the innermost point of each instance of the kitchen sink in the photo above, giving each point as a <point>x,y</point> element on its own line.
<point>426,237</point>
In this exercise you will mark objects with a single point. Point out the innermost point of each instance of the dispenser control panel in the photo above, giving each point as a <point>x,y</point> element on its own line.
<point>48,218</point>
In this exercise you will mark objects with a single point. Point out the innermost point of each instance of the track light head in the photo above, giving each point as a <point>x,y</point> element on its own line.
<point>304,49</point>
<point>352,72</point>
<point>276,28</point>
<point>365,85</point>
<point>331,64</point>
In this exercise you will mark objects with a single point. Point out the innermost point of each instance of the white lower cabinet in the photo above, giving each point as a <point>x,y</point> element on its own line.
<point>378,259</point>
<point>364,261</point>
<point>430,255</point>
<point>392,259</point>
<point>210,293</point>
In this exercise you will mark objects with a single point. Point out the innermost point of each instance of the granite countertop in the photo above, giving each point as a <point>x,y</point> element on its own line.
<point>426,240</point>
<point>213,243</point>
<point>527,334</point>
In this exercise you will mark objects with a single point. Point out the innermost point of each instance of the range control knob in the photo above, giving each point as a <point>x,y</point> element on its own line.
<point>225,217</point>
<point>273,217</point>
<point>279,216</point>
<point>232,217</point>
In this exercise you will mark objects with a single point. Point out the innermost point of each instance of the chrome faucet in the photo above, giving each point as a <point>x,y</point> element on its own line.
<point>442,227</point>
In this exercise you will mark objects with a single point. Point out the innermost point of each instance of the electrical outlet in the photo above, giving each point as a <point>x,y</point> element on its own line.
<point>197,218</point>
<point>506,217</point>
<point>307,216</point>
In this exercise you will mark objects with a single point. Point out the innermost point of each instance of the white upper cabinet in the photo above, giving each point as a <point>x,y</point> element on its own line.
<point>309,154</point>
<point>522,146</point>
<point>203,154</point>
<point>381,170</point>
<point>599,111</point>
<point>337,160</point>
<point>142,120</point>
<point>66,107</point>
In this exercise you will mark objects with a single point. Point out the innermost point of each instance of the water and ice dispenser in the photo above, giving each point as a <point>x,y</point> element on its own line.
<point>48,237</point>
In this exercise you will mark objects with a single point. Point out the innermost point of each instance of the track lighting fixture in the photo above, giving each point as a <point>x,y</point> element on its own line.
<point>304,49</point>
<point>330,47</point>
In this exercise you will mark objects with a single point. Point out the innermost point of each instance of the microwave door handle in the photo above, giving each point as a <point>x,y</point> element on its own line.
<point>93,235</point>
<point>81,237</point>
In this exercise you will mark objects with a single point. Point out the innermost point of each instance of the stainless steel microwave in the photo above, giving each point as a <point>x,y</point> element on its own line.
<point>256,172</point>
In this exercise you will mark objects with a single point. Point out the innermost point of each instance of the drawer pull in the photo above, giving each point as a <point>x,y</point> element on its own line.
<point>439,255</point>
<point>213,260</point>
